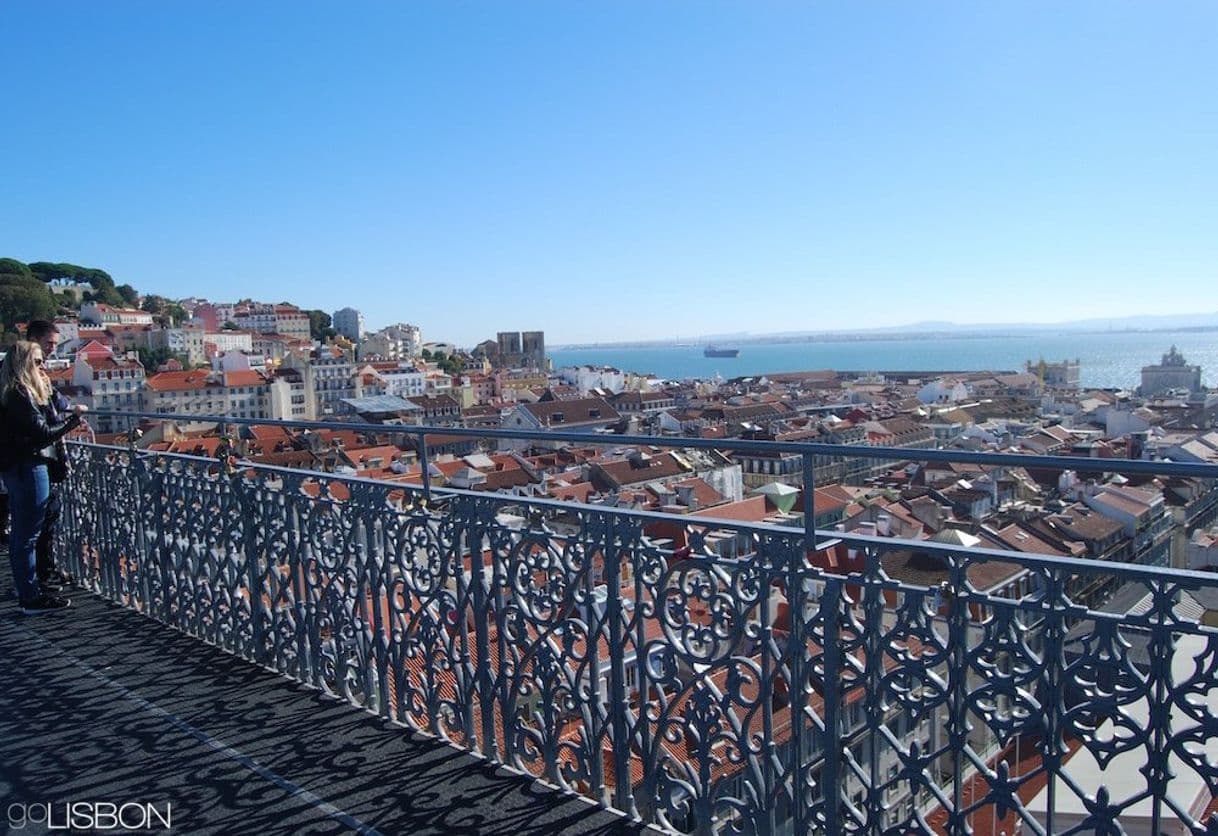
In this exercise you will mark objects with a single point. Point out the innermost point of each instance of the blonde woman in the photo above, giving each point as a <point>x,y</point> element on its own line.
<point>25,434</point>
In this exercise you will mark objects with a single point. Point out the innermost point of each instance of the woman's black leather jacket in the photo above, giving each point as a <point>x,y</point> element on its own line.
<point>25,429</point>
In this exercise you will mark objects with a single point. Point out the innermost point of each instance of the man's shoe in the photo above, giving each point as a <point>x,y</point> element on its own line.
<point>50,586</point>
<point>47,603</point>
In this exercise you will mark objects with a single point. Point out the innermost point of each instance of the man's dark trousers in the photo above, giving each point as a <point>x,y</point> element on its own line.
<point>45,551</point>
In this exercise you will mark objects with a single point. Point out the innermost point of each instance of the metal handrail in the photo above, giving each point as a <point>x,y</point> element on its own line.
<point>1136,466</point>
<point>862,542</point>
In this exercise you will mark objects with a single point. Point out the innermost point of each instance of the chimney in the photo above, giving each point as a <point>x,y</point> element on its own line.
<point>686,496</point>
<point>883,523</point>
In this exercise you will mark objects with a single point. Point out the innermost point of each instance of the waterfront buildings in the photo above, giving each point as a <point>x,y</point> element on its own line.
<point>1172,372</point>
<point>1062,375</point>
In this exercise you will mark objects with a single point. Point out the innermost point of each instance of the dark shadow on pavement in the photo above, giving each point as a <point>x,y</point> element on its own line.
<point>102,704</point>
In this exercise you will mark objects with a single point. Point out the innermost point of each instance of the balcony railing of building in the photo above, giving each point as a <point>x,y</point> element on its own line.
<point>815,681</point>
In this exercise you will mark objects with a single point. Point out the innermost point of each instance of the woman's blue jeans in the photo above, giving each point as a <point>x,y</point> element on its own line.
<point>29,490</point>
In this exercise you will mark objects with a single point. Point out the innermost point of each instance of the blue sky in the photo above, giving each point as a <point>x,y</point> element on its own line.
<point>617,170</point>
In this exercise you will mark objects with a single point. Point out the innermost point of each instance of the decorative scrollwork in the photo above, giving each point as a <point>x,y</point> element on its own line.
<point>705,675</point>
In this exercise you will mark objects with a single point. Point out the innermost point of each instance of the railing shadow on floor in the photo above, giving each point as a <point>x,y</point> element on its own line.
<point>102,705</point>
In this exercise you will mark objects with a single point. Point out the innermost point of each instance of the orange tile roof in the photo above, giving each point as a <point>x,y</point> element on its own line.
<point>266,433</point>
<point>703,493</point>
<point>110,364</point>
<point>244,378</point>
<point>196,446</point>
<point>577,492</point>
<point>178,381</point>
<point>386,453</point>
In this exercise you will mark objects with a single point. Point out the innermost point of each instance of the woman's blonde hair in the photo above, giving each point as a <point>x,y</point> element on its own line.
<point>21,372</point>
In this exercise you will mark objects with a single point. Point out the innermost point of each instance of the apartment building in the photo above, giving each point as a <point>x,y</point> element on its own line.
<point>350,323</point>
<point>240,394</point>
<point>107,382</point>
<point>98,313</point>
<point>288,320</point>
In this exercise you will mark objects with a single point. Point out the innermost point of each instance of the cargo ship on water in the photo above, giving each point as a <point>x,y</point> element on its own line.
<point>712,351</point>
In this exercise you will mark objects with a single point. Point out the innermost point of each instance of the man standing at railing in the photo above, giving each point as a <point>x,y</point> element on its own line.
<point>50,577</point>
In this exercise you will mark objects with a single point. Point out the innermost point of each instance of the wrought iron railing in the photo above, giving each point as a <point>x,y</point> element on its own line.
<point>814,682</point>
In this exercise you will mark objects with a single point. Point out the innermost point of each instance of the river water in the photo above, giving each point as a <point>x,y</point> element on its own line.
<point>1108,359</point>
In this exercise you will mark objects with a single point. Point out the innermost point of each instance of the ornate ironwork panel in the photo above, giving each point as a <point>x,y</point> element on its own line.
<point>700,674</point>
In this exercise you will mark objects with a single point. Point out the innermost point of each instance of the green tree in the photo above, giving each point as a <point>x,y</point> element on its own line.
<point>23,296</point>
<point>448,363</point>
<point>319,321</point>
<point>156,305</point>
<point>103,286</point>
<point>153,358</point>
<point>130,295</point>
<point>165,311</point>
<point>452,364</point>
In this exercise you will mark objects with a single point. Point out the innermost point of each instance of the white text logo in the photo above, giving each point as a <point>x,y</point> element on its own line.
<point>91,815</point>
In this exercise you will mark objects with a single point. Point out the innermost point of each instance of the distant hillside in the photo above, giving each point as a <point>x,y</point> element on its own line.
<point>940,328</point>
<point>24,294</point>
<point>1164,322</point>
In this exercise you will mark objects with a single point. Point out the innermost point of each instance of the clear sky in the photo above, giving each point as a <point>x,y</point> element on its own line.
<point>619,169</point>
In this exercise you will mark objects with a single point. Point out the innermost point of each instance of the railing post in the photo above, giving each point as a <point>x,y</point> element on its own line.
<point>625,533</point>
<point>873,676</point>
<point>425,469</point>
<point>1054,632</point>
<point>148,545</point>
<point>164,541</point>
<point>380,570</point>
<point>645,801</point>
<point>249,496</point>
<point>957,723</point>
<point>830,776</point>
<point>770,668</point>
<point>596,765</point>
<point>797,606</point>
<point>479,601</point>
<point>1158,771</point>
<point>108,557</point>
<point>297,548</point>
